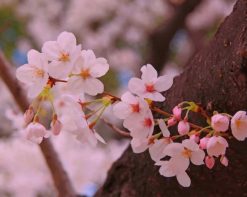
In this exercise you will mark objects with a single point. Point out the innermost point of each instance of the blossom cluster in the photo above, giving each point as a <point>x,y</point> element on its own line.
<point>63,73</point>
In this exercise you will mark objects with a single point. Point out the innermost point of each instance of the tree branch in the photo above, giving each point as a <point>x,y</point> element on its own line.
<point>160,40</point>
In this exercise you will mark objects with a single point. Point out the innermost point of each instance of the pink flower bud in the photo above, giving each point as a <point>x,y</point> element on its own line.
<point>220,122</point>
<point>224,161</point>
<point>56,125</point>
<point>209,161</point>
<point>28,115</point>
<point>195,138</point>
<point>177,112</point>
<point>172,121</point>
<point>183,127</point>
<point>203,143</point>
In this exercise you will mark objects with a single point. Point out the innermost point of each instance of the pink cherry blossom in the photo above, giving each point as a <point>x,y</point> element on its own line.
<point>156,149</point>
<point>181,154</point>
<point>204,142</point>
<point>195,138</point>
<point>183,127</point>
<point>85,73</point>
<point>209,161</point>
<point>239,125</point>
<point>141,126</point>
<point>28,115</point>
<point>34,74</point>
<point>62,53</point>
<point>224,161</point>
<point>139,145</point>
<point>56,127</point>
<point>150,85</point>
<point>129,106</point>
<point>220,122</point>
<point>171,121</point>
<point>35,132</point>
<point>177,112</point>
<point>216,146</point>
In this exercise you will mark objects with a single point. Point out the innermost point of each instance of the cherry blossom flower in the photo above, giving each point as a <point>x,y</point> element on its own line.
<point>171,121</point>
<point>156,149</point>
<point>239,125</point>
<point>183,127</point>
<point>209,161</point>
<point>216,146</point>
<point>181,154</point>
<point>28,115</point>
<point>85,73</point>
<point>62,53</point>
<point>73,120</point>
<point>224,161</point>
<point>150,85</point>
<point>204,142</point>
<point>35,132</point>
<point>34,73</point>
<point>220,122</point>
<point>56,126</point>
<point>177,112</point>
<point>139,145</point>
<point>140,126</point>
<point>130,106</point>
<point>195,138</point>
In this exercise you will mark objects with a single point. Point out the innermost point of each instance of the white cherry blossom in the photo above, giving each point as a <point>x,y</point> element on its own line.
<point>216,146</point>
<point>85,73</point>
<point>140,126</point>
<point>220,122</point>
<point>130,105</point>
<point>35,132</point>
<point>34,73</point>
<point>239,125</point>
<point>181,154</point>
<point>62,53</point>
<point>150,85</point>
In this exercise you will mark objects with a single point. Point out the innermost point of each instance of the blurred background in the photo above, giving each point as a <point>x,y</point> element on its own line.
<point>128,33</point>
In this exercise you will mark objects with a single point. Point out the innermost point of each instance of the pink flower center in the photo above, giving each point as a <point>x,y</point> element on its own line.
<point>186,153</point>
<point>150,88</point>
<point>148,122</point>
<point>135,108</point>
<point>39,73</point>
<point>85,73</point>
<point>64,57</point>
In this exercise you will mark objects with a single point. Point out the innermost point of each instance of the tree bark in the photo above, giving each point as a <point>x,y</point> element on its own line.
<point>217,78</point>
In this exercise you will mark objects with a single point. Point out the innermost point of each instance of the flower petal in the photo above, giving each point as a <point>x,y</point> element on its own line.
<point>197,157</point>
<point>149,74</point>
<point>184,179</point>
<point>136,86</point>
<point>66,41</point>
<point>163,83</point>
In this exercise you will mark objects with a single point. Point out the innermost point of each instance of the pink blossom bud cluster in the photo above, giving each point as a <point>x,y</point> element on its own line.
<point>62,73</point>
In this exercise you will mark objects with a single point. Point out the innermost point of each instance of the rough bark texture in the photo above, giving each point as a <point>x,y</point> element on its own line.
<point>217,78</point>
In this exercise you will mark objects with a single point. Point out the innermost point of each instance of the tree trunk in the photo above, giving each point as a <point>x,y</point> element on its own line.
<point>217,78</point>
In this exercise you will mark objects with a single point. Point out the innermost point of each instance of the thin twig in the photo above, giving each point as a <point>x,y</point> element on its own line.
<point>114,128</point>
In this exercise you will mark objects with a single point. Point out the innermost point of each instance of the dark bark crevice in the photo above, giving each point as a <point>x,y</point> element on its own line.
<point>215,77</point>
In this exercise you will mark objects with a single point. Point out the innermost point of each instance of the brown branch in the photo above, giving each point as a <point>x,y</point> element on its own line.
<point>160,40</point>
<point>114,128</point>
<point>59,175</point>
